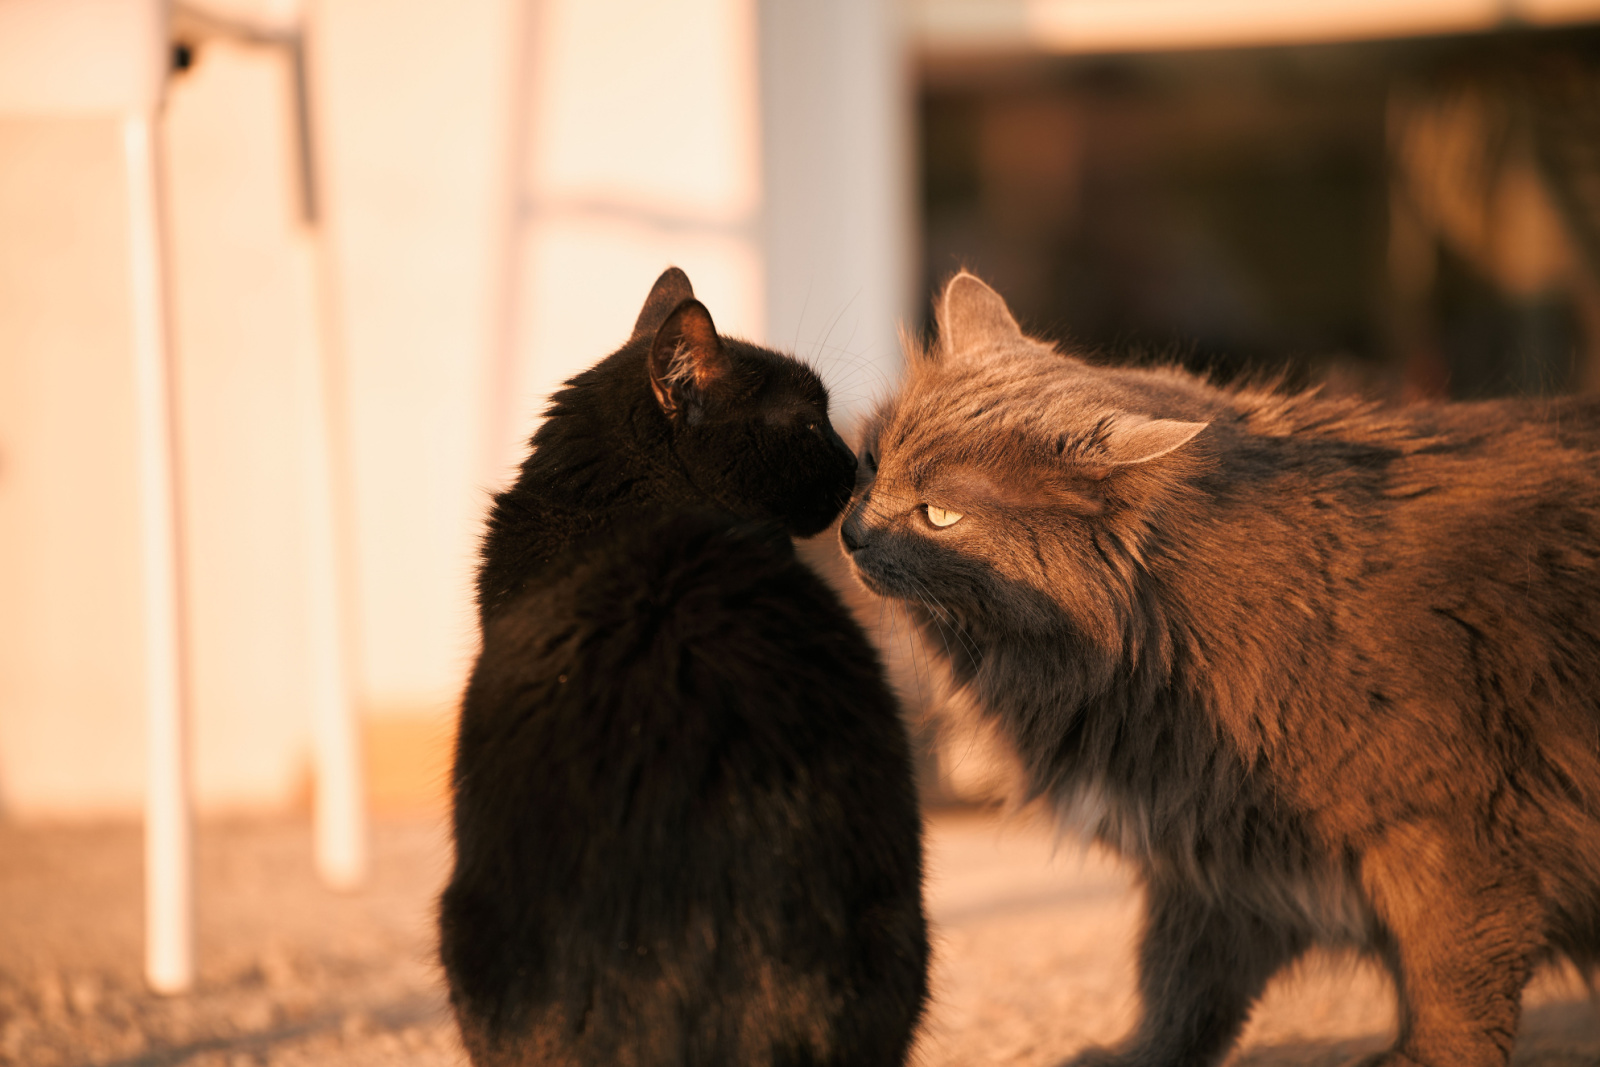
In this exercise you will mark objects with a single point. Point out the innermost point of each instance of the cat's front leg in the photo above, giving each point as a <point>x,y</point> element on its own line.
<point>1464,929</point>
<point>1201,968</point>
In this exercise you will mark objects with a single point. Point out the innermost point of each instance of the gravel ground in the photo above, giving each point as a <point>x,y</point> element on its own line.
<point>1033,946</point>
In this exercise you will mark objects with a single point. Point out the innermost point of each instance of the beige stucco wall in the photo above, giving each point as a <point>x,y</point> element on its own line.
<point>468,288</point>
<point>642,127</point>
<point>242,327</point>
<point>69,653</point>
<point>413,110</point>
<point>416,112</point>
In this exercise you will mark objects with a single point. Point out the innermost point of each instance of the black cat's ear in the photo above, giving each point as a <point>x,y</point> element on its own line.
<point>670,290</point>
<point>687,361</point>
<point>973,319</point>
<point>1131,440</point>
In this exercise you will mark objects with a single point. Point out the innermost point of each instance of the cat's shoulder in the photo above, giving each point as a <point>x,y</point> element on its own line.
<point>1574,420</point>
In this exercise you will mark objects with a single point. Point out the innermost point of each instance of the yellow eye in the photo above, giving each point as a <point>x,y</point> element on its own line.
<point>941,517</point>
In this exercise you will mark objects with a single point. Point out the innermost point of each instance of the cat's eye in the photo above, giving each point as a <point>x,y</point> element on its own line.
<point>941,517</point>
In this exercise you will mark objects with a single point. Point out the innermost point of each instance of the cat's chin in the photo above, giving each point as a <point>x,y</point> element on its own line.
<point>866,580</point>
<point>872,585</point>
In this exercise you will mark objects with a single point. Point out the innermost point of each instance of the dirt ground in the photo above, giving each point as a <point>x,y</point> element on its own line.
<point>1033,946</point>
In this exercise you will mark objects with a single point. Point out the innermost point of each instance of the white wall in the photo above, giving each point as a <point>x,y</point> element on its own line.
<point>71,737</point>
<point>415,99</point>
<point>491,234</point>
<point>642,151</point>
<point>243,326</point>
<point>837,140</point>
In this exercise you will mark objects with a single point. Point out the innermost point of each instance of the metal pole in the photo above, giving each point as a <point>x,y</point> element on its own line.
<point>169,816</point>
<point>338,811</point>
<point>339,815</point>
<point>339,823</point>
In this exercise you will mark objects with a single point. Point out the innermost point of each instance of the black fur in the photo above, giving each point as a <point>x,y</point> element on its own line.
<point>1324,673</point>
<point>686,831</point>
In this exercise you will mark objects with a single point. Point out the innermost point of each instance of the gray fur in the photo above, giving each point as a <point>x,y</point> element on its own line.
<point>1323,672</point>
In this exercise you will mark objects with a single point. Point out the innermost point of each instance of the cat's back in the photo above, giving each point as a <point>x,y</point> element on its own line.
<point>1498,479</point>
<point>1424,480</point>
<point>676,637</point>
<point>1463,573</point>
<point>683,796</point>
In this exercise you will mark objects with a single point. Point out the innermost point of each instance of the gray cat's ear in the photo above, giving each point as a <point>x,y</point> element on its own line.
<point>670,290</point>
<point>973,317</point>
<point>1131,440</point>
<point>687,361</point>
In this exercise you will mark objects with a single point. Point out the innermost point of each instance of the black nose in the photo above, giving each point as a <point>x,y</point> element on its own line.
<point>853,532</point>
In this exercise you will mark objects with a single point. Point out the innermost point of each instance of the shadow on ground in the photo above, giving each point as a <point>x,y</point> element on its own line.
<point>1032,944</point>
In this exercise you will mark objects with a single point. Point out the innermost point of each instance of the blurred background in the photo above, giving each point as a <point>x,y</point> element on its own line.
<point>427,215</point>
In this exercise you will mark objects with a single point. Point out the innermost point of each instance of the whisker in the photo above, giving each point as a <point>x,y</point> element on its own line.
<point>920,673</point>
<point>835,321</point>
<point>948,617</point>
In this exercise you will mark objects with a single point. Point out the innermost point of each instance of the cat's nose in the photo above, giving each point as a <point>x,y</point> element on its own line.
<point>853,531</point>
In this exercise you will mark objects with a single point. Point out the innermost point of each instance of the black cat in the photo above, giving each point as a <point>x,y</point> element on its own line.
<point>686,830</point>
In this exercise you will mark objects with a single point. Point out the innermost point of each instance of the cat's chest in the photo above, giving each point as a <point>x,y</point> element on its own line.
<point>1134,782</point>
<point>1321,899</point>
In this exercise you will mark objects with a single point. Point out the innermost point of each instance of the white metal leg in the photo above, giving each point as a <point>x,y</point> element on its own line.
<point>339,816</point>
<point>169,819</point>
<point>339,823</point>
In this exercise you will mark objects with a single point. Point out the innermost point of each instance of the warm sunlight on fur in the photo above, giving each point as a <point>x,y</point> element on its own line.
<point>1271,648</point>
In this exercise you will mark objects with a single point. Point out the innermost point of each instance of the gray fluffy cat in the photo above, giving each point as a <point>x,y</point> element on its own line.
<point>1324,673</point>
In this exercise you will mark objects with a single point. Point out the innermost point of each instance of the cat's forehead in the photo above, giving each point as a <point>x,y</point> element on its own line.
<point>940,421</point>
<point>1010,417</point>
<point>959,407</point>
<point>780,378</point>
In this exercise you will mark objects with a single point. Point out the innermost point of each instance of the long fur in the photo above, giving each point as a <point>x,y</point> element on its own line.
<point>686,830</point>
<point>1325,673</point>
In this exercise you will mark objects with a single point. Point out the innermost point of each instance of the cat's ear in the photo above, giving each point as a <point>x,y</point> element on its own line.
<point>687,361</point>
<point>670,290</point>
<point>1133,439</point>
<point>973,318</point>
